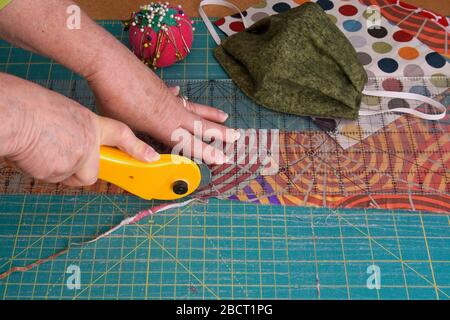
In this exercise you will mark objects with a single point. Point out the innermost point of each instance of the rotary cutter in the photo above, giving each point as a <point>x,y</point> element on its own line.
<point>171,177</point>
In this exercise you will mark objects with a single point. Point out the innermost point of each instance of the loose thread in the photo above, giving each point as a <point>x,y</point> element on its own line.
<point>127,221</point>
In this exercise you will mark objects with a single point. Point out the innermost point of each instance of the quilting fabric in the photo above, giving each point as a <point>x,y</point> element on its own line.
<point>4,3</point>
<point>348,133</point>
<point>383,48</point>
<point>429,27</point>
<point>404,166</point>
<point>405,63</point>
<point>296,62</point>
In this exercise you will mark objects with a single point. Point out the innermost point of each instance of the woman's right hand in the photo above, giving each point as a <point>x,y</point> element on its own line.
<point>55,139</point>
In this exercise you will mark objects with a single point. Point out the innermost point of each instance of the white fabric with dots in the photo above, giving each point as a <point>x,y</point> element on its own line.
<point>387,94</point>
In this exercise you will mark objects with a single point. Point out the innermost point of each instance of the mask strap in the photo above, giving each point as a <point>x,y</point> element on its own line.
<point>388,94</point>
<point>407,96</point>
<point>208,23</point>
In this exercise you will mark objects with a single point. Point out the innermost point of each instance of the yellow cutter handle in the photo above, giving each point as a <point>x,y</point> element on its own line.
<point>171,177</point>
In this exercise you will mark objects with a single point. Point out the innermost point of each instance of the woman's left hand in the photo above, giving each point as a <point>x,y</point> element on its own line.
<point>134,94</point>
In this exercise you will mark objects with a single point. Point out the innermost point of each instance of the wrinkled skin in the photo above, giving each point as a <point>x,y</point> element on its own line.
<point>136,96</point>
<point>55,139</point>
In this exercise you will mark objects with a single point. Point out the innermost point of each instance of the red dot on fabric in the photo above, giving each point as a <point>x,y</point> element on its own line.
<point>237,26</point>
<point>392,84</point>
<point>220,22</point>
<point>402,36</point>
<point>348,10</point>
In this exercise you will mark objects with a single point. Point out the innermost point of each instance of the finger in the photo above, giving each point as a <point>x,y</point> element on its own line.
<point>88,173</point>
<point>175,90</point>
<point>187,145</point>
<point>117,134</point>
<point>72,181</point>
<point>209,130</point>
<point>212,155</point>
<point>206,112</point>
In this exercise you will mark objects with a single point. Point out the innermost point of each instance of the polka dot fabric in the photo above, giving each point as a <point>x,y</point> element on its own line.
<point>393,58</point>
<point>430,28</point>
<point>384,50</point>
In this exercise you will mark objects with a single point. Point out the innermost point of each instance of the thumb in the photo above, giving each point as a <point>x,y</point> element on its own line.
<point>114,133</point>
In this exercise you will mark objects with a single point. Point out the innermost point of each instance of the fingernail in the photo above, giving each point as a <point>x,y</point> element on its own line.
<point>177,90</point>
<point>151,155</point>
<point>224,115</point>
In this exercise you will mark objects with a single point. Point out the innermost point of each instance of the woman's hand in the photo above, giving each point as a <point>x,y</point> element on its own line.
<point>55,139</point>
<point>125,88</point>
<point>130,92</point>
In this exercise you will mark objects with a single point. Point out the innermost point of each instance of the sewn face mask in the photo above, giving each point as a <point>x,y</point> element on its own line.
<point>299,62</point>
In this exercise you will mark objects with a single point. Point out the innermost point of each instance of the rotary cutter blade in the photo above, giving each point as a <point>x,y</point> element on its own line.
<point>206,176</point>
<point>171,177</point>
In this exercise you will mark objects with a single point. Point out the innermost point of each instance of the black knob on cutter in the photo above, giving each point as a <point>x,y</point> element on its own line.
<point>180,187</point>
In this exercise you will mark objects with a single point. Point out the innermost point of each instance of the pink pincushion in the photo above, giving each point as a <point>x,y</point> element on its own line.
<point>160,35</point>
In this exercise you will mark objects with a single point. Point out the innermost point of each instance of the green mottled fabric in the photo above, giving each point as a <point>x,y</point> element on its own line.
<point>3,3</point>
<point>296,62</point>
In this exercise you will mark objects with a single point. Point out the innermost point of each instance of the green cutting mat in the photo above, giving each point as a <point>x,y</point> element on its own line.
<point>218,249</point>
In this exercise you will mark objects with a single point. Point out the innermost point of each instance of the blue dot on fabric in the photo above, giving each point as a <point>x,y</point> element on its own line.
<point>435,60</point>
<point>281,7</point>
<point>388,65</point>
<point>420,90</point>
<point>352,25</point>
<point>325,4</point>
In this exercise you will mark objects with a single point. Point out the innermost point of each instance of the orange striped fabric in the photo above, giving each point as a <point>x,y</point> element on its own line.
<point>429,27</point>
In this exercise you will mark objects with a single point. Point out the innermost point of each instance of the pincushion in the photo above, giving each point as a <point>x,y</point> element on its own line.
<point>160,35</point>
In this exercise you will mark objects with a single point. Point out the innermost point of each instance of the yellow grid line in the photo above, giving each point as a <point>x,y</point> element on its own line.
<point>370,246</point>
<point>218,237</point>
<point>391,253</point>
<point>429,258</point>
<point>400,256</point>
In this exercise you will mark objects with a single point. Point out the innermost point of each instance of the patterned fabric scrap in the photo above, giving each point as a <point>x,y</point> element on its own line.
<point>384,49</point>
<point>405,54</point>
<point>430,28</point>
<point>296,62</point>
<point>404,166</point>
